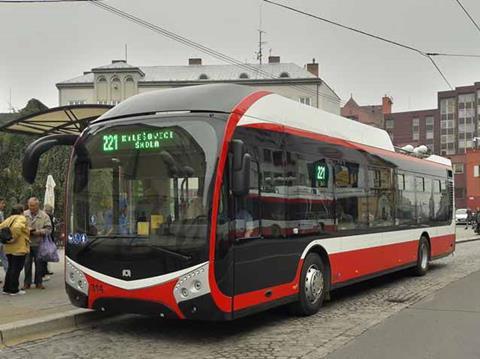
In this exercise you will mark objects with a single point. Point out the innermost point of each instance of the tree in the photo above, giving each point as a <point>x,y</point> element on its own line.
<point>55,162</point>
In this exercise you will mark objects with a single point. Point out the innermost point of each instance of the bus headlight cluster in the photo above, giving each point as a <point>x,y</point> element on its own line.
<point>76,279</point>
<point>192,284</point>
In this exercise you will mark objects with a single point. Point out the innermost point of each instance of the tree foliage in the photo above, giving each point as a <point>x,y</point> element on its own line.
<point>55,162</point>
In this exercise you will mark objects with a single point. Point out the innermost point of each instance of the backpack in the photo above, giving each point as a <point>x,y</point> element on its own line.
<point>6,234</point>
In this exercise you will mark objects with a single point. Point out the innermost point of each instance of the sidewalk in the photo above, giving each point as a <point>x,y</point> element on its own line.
<point>41,313</point>
<point>444,325</point>
<point>37,303</point>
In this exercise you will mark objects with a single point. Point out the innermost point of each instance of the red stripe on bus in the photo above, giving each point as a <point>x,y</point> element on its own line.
<point>99,289</point>
<point>351,265</point>
<point>442,245</point>
<point>337,141</point>
<point>224,302</point>
<point>265,295</point>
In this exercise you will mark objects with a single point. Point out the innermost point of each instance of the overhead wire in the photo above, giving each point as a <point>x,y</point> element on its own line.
<point>216,54</point>
<point>468,14</point>
<point>428,55</point>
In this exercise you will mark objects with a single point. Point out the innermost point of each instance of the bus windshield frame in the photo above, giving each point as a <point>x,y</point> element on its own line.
<point>140,193</point>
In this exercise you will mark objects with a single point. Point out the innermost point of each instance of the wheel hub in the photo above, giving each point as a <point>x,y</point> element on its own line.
<point>424,256</point>
<point>313,284</point>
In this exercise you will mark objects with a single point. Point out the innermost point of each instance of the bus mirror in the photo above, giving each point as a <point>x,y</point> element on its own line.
<point>238,149</point>
<point>241,177</point>
<point>39,147</point>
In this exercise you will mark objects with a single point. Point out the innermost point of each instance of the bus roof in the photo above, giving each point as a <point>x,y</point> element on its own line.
<point>202,98</point>
<point>271,108</point>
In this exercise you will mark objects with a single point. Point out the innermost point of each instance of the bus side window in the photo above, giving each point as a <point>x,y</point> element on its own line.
<point>350,196</point>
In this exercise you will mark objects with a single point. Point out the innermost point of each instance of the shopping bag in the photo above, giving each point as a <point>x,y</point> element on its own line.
<point>47,251</point>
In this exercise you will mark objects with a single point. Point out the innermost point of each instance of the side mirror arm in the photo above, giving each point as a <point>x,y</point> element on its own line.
<point>34,151</point>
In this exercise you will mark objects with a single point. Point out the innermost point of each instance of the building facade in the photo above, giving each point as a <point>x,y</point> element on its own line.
<point>112,83</point>
<point>452,130</point>
<point>373,115</point>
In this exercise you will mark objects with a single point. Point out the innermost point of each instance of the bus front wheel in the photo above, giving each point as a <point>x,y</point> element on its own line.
<point>313,286</point>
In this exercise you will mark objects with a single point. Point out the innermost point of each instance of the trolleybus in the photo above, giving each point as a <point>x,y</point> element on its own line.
<point>212,202</point>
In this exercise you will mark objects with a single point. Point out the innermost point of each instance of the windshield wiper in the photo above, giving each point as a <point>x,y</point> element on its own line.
<point>133,237</point>
<point>168,251</point>
<point>96,238</point>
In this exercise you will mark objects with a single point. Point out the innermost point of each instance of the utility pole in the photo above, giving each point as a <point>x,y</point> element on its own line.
<point>260,41</point>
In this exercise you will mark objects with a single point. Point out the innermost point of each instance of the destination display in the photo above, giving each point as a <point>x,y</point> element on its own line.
<point>141,140</point>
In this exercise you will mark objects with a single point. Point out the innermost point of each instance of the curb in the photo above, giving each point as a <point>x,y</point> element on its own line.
<point>46,326</point>
<point>468,240</point>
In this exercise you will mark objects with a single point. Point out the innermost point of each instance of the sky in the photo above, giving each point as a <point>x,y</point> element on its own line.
<point>42,44</point>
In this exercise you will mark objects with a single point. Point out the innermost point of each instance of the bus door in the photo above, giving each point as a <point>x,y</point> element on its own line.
<point>262,251</point>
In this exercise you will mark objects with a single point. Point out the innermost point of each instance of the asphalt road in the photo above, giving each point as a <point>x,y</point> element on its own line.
<point>353,314</point>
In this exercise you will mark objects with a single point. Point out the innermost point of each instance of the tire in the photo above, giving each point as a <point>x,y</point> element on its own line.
<point>423,257</point>
<point>313,278</point>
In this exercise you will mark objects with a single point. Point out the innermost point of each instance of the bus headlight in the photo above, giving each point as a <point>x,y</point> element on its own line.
<point>76,279</point>
<point>192,284</point>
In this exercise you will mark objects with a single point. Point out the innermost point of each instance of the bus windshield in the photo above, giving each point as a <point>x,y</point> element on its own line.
<point>141,191</point>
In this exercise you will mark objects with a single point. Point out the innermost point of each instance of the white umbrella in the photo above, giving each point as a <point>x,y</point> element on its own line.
<point>50,192</point>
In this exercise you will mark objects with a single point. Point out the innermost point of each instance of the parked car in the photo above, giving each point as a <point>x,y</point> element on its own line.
<point>461,216</point>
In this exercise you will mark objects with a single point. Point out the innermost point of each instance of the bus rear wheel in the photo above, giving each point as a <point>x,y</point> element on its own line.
<point>423,257</point>
<point>313,286</point>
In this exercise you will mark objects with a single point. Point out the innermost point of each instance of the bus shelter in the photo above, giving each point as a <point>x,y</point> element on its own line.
<point>72,119</point>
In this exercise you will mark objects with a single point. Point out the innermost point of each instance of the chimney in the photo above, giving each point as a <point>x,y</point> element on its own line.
<point>313,68</point>
<point>387,105</point>
<point>274,59</point>
<point>195,61</point>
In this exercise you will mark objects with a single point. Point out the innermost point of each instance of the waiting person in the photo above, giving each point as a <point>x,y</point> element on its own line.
<point>40,226</point>
<point>3,257</point>
<point>48,209</point>
<point>16,249</point>
<point>469,218</point>
<point>477,220</point>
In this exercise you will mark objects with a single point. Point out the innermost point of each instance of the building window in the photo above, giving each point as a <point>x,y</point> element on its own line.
<point>243,75</point>
<point>306,100</point>
<point>389,124</point>
<point>429,128</point>
<point>415,129</point>
<point>447,126</point>
<point>459,193</point>
<point>116,90</point>
<point>458,168</point>
<point>284,74</point>
<point>77,102</point>
<point>129,87</point>
<point>102,90</point>
<point>203,77</point>
<point>475,171</point>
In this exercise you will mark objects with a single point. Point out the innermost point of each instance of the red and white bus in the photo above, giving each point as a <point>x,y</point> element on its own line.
<point>216,201</point>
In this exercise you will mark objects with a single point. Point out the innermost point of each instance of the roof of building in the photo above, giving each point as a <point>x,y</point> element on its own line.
<point>199,72</point>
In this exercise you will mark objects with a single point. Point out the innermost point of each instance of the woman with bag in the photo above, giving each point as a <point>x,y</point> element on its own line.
<point>16,248</point>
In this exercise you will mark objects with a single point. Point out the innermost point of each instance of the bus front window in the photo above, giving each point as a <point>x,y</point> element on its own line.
<point>142,192</point>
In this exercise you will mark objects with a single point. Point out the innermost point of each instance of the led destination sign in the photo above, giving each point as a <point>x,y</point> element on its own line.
<point>142,140</point>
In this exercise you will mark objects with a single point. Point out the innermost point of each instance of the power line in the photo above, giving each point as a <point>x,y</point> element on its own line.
<point>428,55</point>
<point>39,1</point>
<point>468,15</point>
<point>202,48</point>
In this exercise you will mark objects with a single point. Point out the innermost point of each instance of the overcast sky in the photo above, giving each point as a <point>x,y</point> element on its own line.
<point>42,44</point>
